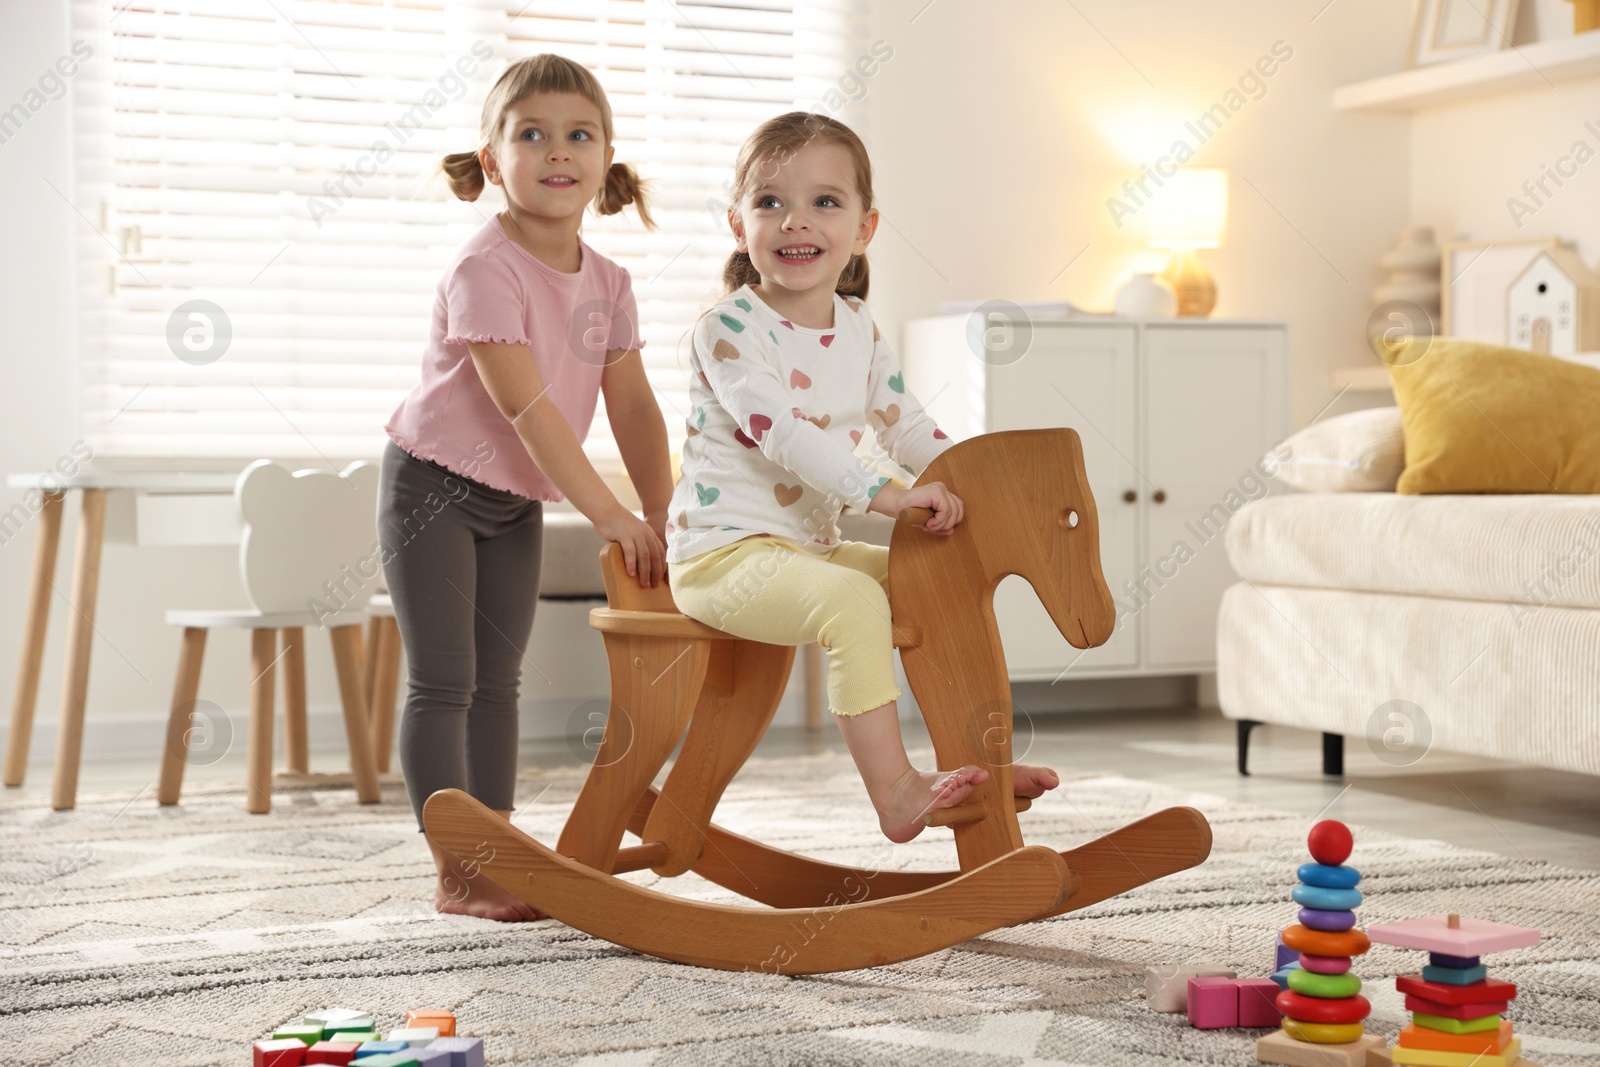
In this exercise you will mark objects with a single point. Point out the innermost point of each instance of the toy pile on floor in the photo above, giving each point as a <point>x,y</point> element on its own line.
<point>343,1036</point>
<point>1455,1006</point>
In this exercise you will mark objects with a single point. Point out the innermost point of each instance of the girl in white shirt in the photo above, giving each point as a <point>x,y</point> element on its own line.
<point>789,371</point>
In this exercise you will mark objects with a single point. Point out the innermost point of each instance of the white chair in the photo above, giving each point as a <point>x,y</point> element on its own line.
<point>308,559</point>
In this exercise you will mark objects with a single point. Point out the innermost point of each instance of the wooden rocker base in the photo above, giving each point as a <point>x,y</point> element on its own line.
<point>1169,841</point>
<point>842,932</point>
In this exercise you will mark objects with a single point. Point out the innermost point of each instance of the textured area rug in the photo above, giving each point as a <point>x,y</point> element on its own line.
<point>138,935</point>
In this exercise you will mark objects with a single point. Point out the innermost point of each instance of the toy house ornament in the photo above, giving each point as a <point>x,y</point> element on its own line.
<point>1553,306</point>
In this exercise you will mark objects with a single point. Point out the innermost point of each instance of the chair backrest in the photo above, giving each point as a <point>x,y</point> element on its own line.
<point>310,538</point>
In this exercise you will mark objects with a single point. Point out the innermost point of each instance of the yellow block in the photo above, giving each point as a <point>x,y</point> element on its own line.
<point>1427,1057</point>
<point>1322,1033</point>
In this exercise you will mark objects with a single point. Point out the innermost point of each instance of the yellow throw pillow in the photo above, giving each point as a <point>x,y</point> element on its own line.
<point>1482,418</point>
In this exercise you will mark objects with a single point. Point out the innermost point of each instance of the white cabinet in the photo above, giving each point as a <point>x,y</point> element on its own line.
<point>1174,416</point>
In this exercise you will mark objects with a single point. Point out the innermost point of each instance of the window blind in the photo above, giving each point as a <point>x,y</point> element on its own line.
<point>264,239</point>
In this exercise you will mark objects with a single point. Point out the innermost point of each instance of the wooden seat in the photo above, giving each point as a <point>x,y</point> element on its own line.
<point>1028,512</point>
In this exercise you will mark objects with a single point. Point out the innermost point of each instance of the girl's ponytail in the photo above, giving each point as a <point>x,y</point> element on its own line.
<point>464,172</point>
<point>737,271</point>
<point>623,186</point>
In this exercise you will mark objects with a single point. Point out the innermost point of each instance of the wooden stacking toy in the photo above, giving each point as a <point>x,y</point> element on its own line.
<point>345,1036</point>
<point>1456,1008</point>
<point>1322,1007</point>
<point>1029,512</point>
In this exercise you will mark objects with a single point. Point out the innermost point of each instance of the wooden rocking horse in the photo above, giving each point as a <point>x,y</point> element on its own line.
<point>1029,512</point>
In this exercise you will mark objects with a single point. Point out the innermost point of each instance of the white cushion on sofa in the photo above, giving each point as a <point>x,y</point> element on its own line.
<point>1359,452</point>
<point>1535,549</point>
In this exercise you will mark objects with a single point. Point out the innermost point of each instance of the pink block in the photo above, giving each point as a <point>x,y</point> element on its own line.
<point>1258,1002</point>
<point>1214,1002</point>
<point>287,1052</point>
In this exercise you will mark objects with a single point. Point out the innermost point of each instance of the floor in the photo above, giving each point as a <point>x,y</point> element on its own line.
<point>1475,803</point>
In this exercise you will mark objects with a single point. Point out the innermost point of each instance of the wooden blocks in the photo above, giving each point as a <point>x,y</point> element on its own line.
<point>341,1052</point>
<point>1213,1002</point>
<point>443,1020</point>
<point>464,1051</point>
<point>1470,937</point>
<point>278,1052</point>
<point>414,1036</point>
<point>1166,985</point>
<point>1279,1047</point>
<point>1258,1002</point>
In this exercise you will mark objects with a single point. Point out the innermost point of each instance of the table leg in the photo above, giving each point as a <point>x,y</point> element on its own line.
<point>347,663</point>
<point>296,747</point>
<point>258,749</point>
<point>33,632</point>
<point>80,639</point>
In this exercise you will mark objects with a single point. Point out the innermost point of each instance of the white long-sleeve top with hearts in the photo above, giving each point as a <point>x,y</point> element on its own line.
<point>778,410</point>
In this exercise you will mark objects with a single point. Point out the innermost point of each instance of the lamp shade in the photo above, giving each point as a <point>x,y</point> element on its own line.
<point>1190,210</point>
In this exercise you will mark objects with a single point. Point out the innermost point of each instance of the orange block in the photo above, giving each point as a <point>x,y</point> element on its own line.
<point>1492,1042</point>
<point>442,1019</point>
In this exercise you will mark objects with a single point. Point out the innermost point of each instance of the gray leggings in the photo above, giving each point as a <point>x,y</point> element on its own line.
<point>461,561</point>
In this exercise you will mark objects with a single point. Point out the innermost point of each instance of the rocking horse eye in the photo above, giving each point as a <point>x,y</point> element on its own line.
<point>1069,518</point>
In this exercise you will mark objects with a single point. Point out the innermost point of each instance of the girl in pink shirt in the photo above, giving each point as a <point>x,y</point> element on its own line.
<point>529,325</point>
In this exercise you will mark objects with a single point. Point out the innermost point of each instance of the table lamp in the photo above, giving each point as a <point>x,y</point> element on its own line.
<point>1190,211</point>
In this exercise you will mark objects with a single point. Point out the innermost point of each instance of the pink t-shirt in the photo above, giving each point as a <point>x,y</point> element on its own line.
<point>494,290</point>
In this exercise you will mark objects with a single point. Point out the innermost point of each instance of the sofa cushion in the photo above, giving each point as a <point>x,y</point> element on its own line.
<point>1482,418</point>
<point>1538,550</point>
<point>1358,452</point>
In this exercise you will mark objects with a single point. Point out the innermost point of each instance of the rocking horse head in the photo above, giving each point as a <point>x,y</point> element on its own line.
<point>1028,511</point>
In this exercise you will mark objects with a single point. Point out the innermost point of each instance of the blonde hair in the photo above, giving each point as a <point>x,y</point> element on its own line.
<point>546,73</point>
<point>776,141</point>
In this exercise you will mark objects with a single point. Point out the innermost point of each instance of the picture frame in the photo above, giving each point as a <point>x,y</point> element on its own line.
<point>1443,30</point>
<point>1473,279</point>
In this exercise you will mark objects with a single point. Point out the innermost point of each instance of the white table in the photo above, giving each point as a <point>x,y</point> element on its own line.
<point>139,508</point>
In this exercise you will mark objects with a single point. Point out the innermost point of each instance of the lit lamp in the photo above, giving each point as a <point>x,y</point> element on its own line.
<point>1188,212</point>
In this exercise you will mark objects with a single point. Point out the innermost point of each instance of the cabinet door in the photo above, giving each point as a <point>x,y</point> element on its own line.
<point>1084,377</point>
<point>1215,401</point>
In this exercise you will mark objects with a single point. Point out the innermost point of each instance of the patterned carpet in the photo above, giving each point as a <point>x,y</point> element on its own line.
<point>133,935</point>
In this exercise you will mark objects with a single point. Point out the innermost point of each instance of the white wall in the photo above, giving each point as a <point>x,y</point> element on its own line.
<point>998,140</point>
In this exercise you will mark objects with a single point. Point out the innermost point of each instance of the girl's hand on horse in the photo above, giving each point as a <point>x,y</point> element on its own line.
<point>947,507</point>
<point>642,549</point>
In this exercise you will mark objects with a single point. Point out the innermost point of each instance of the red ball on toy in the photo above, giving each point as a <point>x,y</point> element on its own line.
<point>1330,842</point>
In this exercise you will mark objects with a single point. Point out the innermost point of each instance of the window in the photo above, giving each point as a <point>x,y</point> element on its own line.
<point>265,240</point>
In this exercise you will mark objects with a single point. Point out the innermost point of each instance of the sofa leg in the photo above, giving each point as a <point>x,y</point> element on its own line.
<point>1333,755</point>
<point>1245,726</point>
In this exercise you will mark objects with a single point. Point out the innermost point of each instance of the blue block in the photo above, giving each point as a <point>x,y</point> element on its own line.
<point>1455,975</point>
<point>1464,963</point>
<point>1312,896</point>
<point>1282,976</point>
<point>1326,877</point>
<point>380,1048</point>
<point>464,1051</point>
<point>1284,955</point>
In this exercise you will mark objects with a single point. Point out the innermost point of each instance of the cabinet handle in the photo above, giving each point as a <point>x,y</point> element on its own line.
<point>1129,496</point>
<point>1160,496</point>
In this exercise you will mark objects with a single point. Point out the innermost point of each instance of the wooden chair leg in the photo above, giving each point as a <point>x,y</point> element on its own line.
<point>655,682</point>
<point>80,640</point>
<point>369,656</point>
<point>258,749</point>
<point>744,684</point>
<point>296,745</point>
<point>175,754</point>
<point>33,632</point>
<point>347,664</point>
<point>385,655</point>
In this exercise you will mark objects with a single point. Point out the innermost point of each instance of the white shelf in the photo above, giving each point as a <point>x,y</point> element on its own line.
<point>1566,59</point>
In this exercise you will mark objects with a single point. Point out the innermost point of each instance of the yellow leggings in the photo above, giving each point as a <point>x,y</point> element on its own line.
<point>768,589</point>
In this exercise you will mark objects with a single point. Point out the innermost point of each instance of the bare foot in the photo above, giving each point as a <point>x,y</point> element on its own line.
<point>1032,782</point>
<point>463,888</point>
<point>919,792</point>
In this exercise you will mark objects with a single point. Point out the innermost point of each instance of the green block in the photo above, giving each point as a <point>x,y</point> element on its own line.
<point>1456,1026</point>
<point>1326,986</point>
<point>388,1059</point>
<point>310,1033</point>
<point>359,1036</point>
